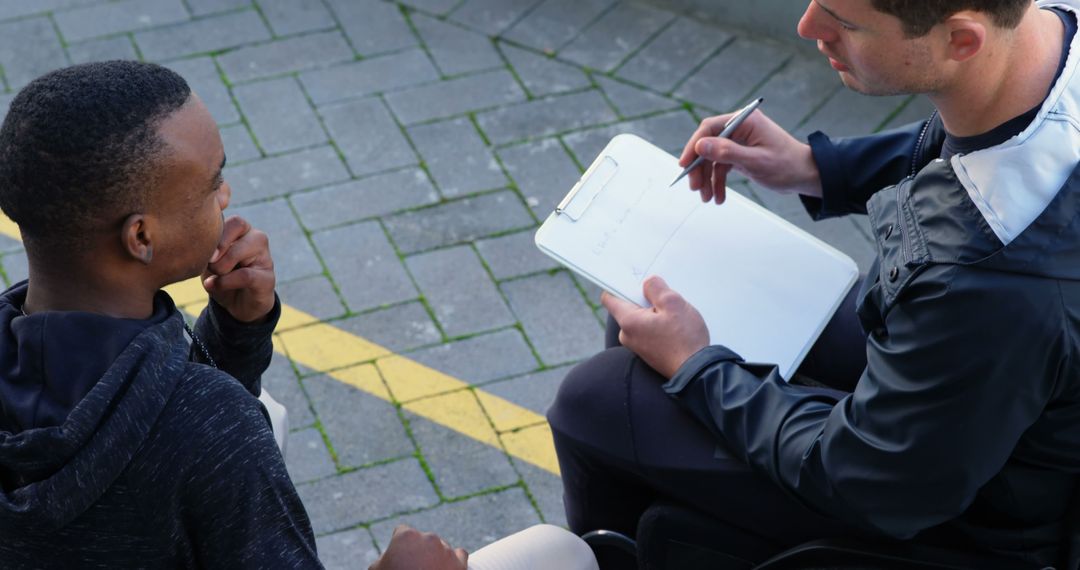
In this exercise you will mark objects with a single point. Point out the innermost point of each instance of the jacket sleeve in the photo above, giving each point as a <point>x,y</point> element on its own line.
<point>241,509</point>
<point>853,169</point>
<point>947,393</point>
<point>241,350</point>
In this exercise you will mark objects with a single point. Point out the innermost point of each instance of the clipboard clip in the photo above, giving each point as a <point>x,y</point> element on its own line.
<point>591,184</point>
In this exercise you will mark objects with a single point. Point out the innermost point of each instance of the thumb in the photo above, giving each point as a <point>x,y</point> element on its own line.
<point>723,151</point>
<point>657,292</point>
<point>616,307</point>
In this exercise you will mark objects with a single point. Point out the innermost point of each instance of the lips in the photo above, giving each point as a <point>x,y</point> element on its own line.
<point>838,66</point>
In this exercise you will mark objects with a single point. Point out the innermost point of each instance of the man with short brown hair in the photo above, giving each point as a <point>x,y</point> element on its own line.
<point>954,413</point>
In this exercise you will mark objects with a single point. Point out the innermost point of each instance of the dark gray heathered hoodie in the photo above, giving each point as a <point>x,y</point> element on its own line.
<point>119,450</point>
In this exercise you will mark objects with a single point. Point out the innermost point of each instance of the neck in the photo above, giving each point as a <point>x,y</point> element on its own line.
<point>1001,82</point>
<point>92,290</point>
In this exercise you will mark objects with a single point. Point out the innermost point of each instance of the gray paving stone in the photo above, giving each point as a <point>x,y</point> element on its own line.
<point>362,429</point>
<point>455,97</point>
<point>368,494</point>
<point>115,17</point>
<point>461,465</point>
<point>373,26</point>
<point>238,144</point>
<point>617,34</point>
<point>296,16</point>
<point>372,75</point>
<point>204,7</point>
<point>5,103</point>
<point>673,55</point>
<point>459,221</point>
<point>313,295</point>
<point>18,8</point>
<point>841,233</point>
<point>631,101</point>
<point>513,255</point>
<point>457,157</point>
<point>348,550</point>
<point>468,524</point>
<point>281,382</point>
<point>555,22</point>
<point>543,171</point>
<point>29,48</point>
<point>543,117</point>
<point>307,457</point>
<point>359,199</point>
<point>669,131</point>
<point>105,49</point>
<point>533,391</point>
<point>202,36</point>
<point>481,358</point>
<point>284,56</point>
<point>492,17</point>
<point>919,109</point>
<point>849,113</point>
<point>364,266</point>
<point>459,290</point>
<point>440,7</point>
<point>203,77</point>
<point>16,267</point>
<point>398,328</point>
<point>556,319</point>
<point>741,67</point>
<point>793,93</point>
<point>546,489</point>
<point>543,75</point>
<point>368,136</point>
<point>592,294</point>
<point>455,49</point>
<point>279,115</point>
<point>279,175</point>
<point>293,256</point>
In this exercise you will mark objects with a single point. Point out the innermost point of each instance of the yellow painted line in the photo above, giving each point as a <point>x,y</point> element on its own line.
<point>376,370</point>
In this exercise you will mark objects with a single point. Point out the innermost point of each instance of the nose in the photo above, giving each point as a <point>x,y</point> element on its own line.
<point>813,26</point>
<point>224,195</point>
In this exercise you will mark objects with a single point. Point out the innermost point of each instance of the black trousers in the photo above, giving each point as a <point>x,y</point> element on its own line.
<point>622,443</point>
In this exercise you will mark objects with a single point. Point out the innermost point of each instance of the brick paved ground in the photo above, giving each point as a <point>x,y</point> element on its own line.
<point>401,154</point>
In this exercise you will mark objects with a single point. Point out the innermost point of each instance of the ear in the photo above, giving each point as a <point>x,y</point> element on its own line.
<point>136,238</point>
<point>967,36</point>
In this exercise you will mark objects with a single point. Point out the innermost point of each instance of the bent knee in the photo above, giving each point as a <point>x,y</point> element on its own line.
<point>593,393</point>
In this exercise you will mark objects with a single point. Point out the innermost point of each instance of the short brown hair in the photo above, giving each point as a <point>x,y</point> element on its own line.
<point>920,16</point>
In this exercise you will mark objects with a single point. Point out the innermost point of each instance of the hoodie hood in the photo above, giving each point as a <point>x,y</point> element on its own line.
<point>78,396</point>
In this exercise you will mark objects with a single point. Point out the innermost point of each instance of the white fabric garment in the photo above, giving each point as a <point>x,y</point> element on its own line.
<point>541,547</point>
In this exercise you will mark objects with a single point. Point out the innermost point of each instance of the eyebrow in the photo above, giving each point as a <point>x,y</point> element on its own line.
<point>834,14</point>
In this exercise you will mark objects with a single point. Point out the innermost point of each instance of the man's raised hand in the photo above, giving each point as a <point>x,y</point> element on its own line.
<point>240,275</point>
<point>759,148</point>
<point>665,335</point>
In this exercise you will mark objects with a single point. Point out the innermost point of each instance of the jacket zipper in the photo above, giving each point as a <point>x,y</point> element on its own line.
<point>905,247</point>
<point>919,143</point>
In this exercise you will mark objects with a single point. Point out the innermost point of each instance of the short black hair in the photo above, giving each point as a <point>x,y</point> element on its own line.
<point>920,16</point>
<point>78,148</point>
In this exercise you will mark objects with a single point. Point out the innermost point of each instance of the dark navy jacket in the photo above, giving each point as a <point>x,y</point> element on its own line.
<point>149,460</point>
<point>965,425</point>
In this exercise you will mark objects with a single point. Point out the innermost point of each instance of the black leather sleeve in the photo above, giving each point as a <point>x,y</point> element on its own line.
<point>853,169</point>
<point>951,386</point>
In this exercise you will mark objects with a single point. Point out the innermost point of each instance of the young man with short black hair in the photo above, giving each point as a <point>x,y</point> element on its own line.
<point>121,446</point>
<point>960,349</point>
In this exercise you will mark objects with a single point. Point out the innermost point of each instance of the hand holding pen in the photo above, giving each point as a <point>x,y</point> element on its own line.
<point>754,145</point>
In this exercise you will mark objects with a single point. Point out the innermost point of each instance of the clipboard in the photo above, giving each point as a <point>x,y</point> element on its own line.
<point>765,287</point>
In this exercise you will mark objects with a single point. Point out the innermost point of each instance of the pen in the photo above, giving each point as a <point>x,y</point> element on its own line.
<point>729,128</point>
